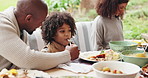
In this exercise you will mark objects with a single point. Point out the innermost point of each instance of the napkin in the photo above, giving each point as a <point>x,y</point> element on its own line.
<point>76,67</point>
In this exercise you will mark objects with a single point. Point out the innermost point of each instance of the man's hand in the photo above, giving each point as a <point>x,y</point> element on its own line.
<point>74,52</point>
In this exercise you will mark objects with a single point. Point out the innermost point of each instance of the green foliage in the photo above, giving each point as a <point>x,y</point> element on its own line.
<point>135,23</point>
<point>136,19</point>
<point>88,16</point>
<point>4,4</point>
<point>92,14</point>
<point>62,5</point>
<point>133,3</point>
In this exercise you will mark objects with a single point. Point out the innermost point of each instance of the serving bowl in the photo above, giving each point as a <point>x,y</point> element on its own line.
<point>129,70</point>
<point>140,61</point>
<point>120,46</point>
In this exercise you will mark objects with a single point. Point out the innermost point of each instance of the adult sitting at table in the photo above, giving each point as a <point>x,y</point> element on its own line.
<point>15,24</point>
<point>108,25</point>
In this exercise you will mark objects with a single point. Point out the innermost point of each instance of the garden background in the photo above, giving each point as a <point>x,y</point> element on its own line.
<point>135,19</point>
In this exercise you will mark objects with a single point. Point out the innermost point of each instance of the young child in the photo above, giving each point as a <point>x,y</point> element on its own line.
<point>57,30</point>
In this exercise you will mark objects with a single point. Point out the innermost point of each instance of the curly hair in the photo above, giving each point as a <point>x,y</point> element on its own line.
<point>53,22</point>
<point>107,8</point>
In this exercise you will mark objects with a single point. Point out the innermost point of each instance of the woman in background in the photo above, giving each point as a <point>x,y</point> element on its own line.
<point>108,25</point>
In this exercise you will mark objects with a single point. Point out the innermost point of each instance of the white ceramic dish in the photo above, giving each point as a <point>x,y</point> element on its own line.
<point>86,55</point>
<point>29,73</point>
<point>130,70</point>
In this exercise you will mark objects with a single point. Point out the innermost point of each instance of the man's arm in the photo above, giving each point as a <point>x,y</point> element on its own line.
<point>17,52</point>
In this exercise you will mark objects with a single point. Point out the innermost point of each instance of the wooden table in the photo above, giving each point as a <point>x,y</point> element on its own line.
<point>57,72</point>
<point>61,72</point>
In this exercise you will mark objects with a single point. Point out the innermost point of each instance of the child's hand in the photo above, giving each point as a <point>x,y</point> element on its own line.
<point>74,52</point>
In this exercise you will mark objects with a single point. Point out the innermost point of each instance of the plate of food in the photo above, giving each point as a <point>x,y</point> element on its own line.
<point>95,56</point>
<point>23,73</point>
<point>144,71</point>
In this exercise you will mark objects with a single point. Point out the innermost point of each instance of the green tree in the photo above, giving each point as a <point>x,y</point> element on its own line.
<point>62,5</point>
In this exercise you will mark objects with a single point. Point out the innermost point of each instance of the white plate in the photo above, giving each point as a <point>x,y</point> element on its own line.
<point>85,55</point>
<point>30,73</point>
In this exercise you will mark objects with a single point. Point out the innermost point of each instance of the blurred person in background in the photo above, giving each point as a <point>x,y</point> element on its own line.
<point>108,25</point>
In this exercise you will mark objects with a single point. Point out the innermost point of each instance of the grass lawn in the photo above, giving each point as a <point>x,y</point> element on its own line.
<point>136,19</point>
<point>4,4</point>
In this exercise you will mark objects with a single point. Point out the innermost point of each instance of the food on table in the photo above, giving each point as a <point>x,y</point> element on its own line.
<point>138,55</point>
<point>145,68</point>
<point>128,70</point>
<point>141,43</point>
<point>105,55</point>
<point>12,73</point>
<point>144,72</point>
<point>22,73</point>
<point>107,69</point>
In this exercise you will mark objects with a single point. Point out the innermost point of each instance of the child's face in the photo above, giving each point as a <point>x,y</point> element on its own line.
<point>63,35</point>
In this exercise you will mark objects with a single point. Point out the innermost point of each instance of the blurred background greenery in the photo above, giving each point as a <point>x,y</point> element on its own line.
<point>135,19</point>
<point>7,3</point>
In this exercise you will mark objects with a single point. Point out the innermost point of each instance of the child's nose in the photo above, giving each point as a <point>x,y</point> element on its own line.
<point>67,34</point>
